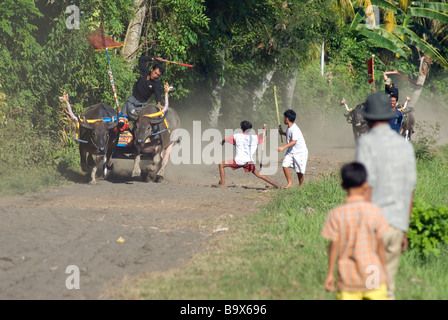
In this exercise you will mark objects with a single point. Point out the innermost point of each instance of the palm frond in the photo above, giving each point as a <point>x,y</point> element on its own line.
<point>429,14</point>
<point>383,39</point>
<point>346,6</point>
<point>384,4</point>
<point>438,6</point>
<point>405,4</point>
<point>390,22</point>
<point>423,45</point>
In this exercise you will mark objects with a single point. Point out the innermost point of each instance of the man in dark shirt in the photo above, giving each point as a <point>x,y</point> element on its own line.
<point>395,122</point>
<point>146,85</point>
<point>390,88</point>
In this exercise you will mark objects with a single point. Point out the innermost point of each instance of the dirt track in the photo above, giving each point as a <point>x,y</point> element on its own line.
<point>163,225</point>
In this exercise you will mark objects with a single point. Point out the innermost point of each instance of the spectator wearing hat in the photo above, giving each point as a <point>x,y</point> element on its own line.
<point>390,88</point>
<point>391,174</point>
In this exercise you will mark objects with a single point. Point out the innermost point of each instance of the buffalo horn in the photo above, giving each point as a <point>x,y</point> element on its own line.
<point>112,124</point>
<point>157,121</point>
<point>83,123</point>
<point>133,117</point>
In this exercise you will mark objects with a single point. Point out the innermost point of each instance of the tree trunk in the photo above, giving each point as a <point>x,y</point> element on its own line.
<point>217,95</point>
<point>258,94</point>
<point>425,65</point>
<point>133,34</point>
<point>216,106</point>
<point>290,88</point>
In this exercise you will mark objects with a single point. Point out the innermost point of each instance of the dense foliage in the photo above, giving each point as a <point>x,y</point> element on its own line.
<point>428,228</point>
<point>232,47</point>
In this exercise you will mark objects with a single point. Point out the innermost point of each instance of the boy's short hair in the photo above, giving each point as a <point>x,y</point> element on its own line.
<point>353,175</point>
<point>245,125</point>
<point>290,114</point>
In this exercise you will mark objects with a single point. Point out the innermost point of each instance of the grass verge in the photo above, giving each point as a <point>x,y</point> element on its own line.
<point>280,254</point>
<point>19,182</point>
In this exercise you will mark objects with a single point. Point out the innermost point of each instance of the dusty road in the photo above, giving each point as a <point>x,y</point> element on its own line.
<point>161,225</point>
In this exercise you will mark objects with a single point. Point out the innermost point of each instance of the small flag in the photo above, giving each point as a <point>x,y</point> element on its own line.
<point>371,71</point>
<point>100,42</point>
<point>370,68</point>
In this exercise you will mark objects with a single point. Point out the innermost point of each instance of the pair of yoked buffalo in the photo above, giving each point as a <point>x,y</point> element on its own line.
<point>99,134</point>
<point>359,124</point>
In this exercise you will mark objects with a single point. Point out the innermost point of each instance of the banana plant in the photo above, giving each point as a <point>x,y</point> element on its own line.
<point>410,28</point>
<point>408,24</point>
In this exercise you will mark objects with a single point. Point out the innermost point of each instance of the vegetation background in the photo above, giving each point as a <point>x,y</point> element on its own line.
<point>239,50</point>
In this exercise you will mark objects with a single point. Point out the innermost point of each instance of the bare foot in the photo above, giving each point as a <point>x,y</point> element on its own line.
<point>218,186</point>
<point>288,186</point>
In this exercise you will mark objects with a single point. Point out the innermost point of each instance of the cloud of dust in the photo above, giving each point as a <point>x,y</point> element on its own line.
<point>429,112</point>
<point>321,132</point>
<point>323,129</point>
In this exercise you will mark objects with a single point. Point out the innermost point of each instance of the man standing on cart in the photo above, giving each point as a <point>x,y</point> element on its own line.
<point>147,84</point>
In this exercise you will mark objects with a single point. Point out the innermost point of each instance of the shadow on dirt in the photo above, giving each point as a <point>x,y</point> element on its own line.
<point>70,174</point>
<point>258,188</point>
<point>117,175</point>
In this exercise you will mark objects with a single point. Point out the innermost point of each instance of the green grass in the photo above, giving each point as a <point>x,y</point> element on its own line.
<point>22,181</point>
<point>420,279</point>
<point>279,253</point>
<point>432,178</point>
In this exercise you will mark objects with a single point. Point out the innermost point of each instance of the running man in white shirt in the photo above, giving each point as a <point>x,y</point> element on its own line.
<point>297,154</point>
<point>245,147</point>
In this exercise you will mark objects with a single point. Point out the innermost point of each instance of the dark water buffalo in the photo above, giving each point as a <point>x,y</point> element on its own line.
<point>354,117</point>
<point>407,126</point>
<point>97,139</point>
<point>151,136</point>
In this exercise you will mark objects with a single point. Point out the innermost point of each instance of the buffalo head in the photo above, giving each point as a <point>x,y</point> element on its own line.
<point>97,134</point>
<point>144,126</point>
<point>358,119</point>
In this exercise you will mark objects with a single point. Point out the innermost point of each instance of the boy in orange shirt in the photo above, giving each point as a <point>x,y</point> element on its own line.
<point>355,230</point>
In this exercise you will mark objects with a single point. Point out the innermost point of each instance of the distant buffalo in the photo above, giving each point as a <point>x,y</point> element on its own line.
<point>359,124</point>
<point>354,117</point>
<point>407,126</point>
<point>98,138</point>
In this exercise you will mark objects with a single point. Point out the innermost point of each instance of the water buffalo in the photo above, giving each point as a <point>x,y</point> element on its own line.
<point>407,126</point>
<point>97,137</point>
<point>152,135</point>
<point>354,117</point>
